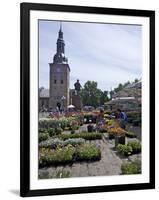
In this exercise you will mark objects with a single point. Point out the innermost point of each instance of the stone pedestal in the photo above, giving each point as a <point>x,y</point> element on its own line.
<point>76,101</point>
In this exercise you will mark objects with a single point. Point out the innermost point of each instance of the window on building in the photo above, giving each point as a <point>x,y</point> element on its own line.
<point>61,81</point>
<point>55,81</point>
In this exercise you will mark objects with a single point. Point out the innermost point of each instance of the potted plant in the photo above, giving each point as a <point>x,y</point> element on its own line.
<point>90,128</point>
<point>119,135</point>
<point>119,139</point>
<point>111,136</point>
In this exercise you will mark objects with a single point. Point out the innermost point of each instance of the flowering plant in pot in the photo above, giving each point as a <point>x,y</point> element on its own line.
<point>118,133</point>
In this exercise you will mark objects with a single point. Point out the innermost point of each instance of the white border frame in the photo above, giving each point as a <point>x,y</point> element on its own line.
<point>86,181</point>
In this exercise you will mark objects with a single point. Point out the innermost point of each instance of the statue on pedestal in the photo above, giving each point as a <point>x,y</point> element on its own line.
<point>76,98</point>
<point>77,87</point>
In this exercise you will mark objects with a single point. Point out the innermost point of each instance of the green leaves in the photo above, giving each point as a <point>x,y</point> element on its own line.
<point>136,146</point>
<point>88,152</point>
<point>91,94</point>
<point>62,122</point>
<point>43,136</point>
<point>68,154</point>
<point>131,168</point>
<point>58,156</point>
<point>84,135</point>
<point>131,148</point>
<point>124,149</point>
<point>54,142</point>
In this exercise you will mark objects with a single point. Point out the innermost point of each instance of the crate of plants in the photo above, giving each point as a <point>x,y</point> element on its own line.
<point>131,167</point>
<point>58,156</point>
<point>132,147</point>
<point>87,152</point>
<point>79,117</point>
<point>74,125</point>
<point>52,143</point>
<point>103,128</point>
<point>68,122</point>
<point>68,154</point>
<point>135,145</point>
<point>124,149</point>
<point>43,136</point>
<point>84,135</point>
<point>118,134</point>
<point>109,122</point>
<point>49,123</point>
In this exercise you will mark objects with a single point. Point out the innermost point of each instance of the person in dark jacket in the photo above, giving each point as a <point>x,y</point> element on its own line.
<point>122,118</point>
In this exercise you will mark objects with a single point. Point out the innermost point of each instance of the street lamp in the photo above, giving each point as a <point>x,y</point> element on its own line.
<point>63,99</point>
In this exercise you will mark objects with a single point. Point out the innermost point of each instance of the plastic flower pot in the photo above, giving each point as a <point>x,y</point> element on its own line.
<point>111,136</point>
<point>119,139</point>
<point>90,128</point>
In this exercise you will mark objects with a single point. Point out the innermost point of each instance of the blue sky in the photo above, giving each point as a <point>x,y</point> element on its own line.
<point>107,53</point>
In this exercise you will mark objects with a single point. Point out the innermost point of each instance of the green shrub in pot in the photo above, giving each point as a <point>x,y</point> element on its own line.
<point>135,145</point>
<point>124,149</point>
<point>43,136</point>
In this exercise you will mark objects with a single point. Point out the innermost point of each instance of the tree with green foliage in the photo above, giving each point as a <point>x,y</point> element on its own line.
<point>136,80</point>
<point>120,87</point>
<point>111,93</point>
<point>104,97</point>
<point>90,94</point>
<point>126,84</point>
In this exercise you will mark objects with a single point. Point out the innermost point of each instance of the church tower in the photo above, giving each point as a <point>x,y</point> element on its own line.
<point>59,76</point>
